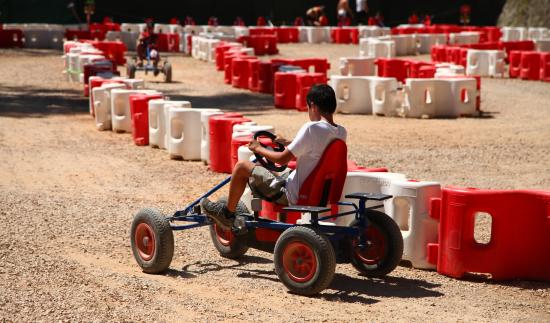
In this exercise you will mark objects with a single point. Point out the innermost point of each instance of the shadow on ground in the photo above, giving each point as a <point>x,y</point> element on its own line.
<point>33,102</point>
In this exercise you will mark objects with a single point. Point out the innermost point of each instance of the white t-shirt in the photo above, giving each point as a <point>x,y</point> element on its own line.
<point>360,4</point>
<point>308,147</point>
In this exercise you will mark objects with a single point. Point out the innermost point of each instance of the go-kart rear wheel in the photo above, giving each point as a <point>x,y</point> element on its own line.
<point>131,70</point>
<point>167,70</point>
<point>228,244</point>
<point>384,246</point>
<point>304,260</point>
<point>152,241</point>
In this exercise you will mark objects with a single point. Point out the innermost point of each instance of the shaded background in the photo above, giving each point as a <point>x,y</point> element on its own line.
<point>484,12</point>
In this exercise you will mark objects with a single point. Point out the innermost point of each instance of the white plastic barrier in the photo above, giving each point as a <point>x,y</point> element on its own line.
<point>226,30</point>
<point>536,33</point>
<point>404,44</point>
<point>43,38</point>
<point>102,104</point>
<point>207,49</point>
<point>133,28</point>
<point>485,62</point>
<point>372,47</point>
<point>357,66</point>
<point>89,59</point>
<point>464,37</point>
<point>513,33</point>
<point>357,182</point>
<point>302,34</point>
<point>448,69</point>
<point>184,133</point>
<point>134,84</point>
<point>128,38</point>
<point>241,31</point>
<point>352,95</point>
<point>409,208</point>
<point>250,128</point>
<point>439,97</point>
<point>317,35</point>
<point>192,29</point>
<point>383,93</point>
<point>205,133</point>
<point>426,41</point>
<point>373,31</point>
<point>158,124</point>
<point>121,117</point>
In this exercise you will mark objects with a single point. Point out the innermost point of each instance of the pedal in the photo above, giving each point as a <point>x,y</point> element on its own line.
<point>239,226</point>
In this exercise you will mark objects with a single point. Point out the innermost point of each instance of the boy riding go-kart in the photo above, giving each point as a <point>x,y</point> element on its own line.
<point>148,56</point>
<point>305,250</point>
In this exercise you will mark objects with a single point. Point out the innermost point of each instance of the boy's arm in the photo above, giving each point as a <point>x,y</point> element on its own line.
<point>282,157</point>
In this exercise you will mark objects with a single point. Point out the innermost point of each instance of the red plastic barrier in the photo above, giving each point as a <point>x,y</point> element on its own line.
<point>419,69</point>
<point>285,90</point>
<point>519,242</point>
<point>113,50</point>
<point>545,67</point>
<point>10,38</point>
<point>139,110</point>
<point>304,82</point>
<point>439,53</point>
<point>517,45</point>
<point>265,77</point>
<point>515,63</point>
<point>168,43</point>
<point>393,67</point>
<point>221,49</point>
<point>355,35</point>
<point>319,65</point>
<point>228,65</point>
<point>95,69</point>
<point>287,34</point>
<point>77,34</point>
<point>240,71</point>
<point>221,129</point>
<point>493,34</point>
<point>262,44</point>
<point>530,66</point>
<point>341,35</point>
<point>262,31</point>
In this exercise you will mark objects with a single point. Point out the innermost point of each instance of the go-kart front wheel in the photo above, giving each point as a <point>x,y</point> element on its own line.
<point>152,241</point>
<point>167,70</point>
<point>228,244</point>
<point>304,260</point>
<point>383,247</point>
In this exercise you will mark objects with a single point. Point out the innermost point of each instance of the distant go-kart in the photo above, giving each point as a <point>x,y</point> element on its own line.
<point>149,66</point>
<point>305,252</point>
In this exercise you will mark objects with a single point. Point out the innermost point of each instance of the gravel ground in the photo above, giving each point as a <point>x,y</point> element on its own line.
<point>68,194</point>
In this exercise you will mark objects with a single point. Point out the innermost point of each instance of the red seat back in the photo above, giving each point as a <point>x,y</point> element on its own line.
<point>325,183</point>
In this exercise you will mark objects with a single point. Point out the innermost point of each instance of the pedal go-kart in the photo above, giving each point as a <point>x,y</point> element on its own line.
<point>305,252</point>
<point>149,66</point>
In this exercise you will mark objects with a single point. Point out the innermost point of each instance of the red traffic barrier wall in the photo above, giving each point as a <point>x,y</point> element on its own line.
<point>284,90</point>
<point>113,50</point>
<point>220,55</point>
<point>262,31</point>
<point>393,67</point>
<point>168,43</point>
<point>304,82</point>
<point>287,34</point>
<point>545,67</point>
<point>221,130</point>
<point>228,65</point>
<point>261,76</point>
<point>93,70</point>
<point>262,44</point>
<point>10,38</point>
<point>517,45</point>
<point>71,34</point>
<point>240,71</point>
<point>530,66</point>
<point>515,63</point>
<point>139,110</point>
<point>519,243</point>
<point>341,35</point>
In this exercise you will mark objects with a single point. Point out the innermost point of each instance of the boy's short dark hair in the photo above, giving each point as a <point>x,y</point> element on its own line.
<point>324,97</point>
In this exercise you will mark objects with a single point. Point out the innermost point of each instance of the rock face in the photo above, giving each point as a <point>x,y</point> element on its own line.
<point>525,13</point>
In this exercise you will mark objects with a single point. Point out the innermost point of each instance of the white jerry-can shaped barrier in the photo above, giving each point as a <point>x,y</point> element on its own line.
<point>134,84</point>
<point>250,128</point>
<point>195,40</point>
<point>426,41</point>
<point>409,208</point>
<point>372,47</point>
<point>357,66</point>
<point>211,50</point>
<point>448,69</point>
<point>420,98</point>
<point>383,95</point>
<point>404,44</point>
<point>485,62</point>
<point>102,104</point>
<point>464,93</point>
<point>464,38</point>
<point>205,133</point>
<point>496,62</point>
<point>184,133</point>
<point>513,33</point>
<point>373,31</point>
<point>158,124</point>
<point>352,94</point>
<point>360,182</point>
<point>316,35</point>
<point>134,28</point>
<point>121,117</point>
<point>536,33</point>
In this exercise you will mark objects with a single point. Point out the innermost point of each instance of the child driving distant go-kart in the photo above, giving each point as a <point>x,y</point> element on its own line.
<point>147,42</point>
<point>307,148</point>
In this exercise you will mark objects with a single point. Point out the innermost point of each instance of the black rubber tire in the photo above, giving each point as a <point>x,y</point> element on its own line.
<point>163,249</point>
<point>236,246</point>
<point>393,246</point>
<point>167,70</point>
<point>131,70</point>
<point>324,255</point>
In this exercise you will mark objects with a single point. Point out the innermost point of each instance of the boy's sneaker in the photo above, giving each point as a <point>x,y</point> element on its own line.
<point>218,213</point>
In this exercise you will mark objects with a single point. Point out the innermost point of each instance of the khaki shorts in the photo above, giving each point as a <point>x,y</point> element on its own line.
<point>269,185</point>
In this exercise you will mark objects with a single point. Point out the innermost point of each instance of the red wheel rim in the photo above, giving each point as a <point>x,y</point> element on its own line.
<point>225,237</point>
<point>299,261</point>
<point>145,241</point>
<point>373,253</point>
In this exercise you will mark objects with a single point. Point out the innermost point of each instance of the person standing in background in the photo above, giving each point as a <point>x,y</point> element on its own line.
<point>362,10</point>
<point>344,13</point>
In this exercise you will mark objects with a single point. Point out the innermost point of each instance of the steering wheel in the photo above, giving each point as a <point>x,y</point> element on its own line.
<point>278,148</point>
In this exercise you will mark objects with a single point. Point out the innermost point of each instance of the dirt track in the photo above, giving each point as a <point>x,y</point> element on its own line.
<point>68,194</point>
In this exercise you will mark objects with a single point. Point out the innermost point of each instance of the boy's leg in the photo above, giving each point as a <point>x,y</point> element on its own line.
<point>239,180</point>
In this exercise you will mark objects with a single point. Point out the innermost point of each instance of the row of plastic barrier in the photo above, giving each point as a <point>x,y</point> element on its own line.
<point>262,44</point>
<point>446,96</point>
<point>524,33</point>
<point>530,65</point>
